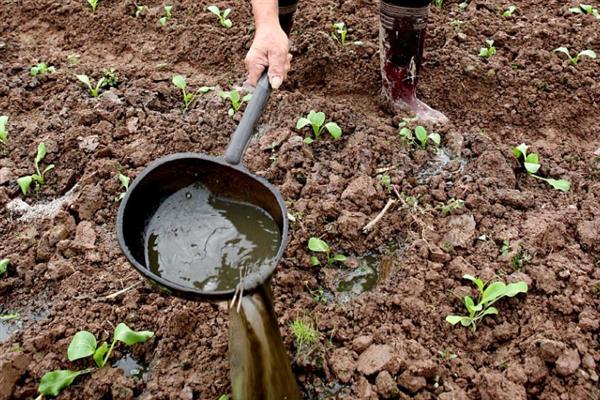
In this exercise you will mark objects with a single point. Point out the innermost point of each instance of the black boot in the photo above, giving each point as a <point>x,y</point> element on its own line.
<point>287,9</point>
<point>402,35</point>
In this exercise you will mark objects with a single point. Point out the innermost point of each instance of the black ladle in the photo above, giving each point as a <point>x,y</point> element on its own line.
<point>225,177</point>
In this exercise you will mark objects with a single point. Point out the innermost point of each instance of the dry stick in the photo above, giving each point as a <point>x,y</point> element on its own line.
<point>120,292</point>
<point>371,224</point>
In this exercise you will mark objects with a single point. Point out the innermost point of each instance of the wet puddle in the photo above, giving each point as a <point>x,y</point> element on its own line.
<point>131,367</point>
<point>13,321</point>
<point>440,161</point>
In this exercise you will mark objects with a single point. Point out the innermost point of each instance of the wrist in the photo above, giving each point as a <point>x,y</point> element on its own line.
<point>266,14</point>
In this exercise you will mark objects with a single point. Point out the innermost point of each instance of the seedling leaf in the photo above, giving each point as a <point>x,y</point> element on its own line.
<point>513,289</point>
<point>339,257</point>
<point>318,245</point>
<point>435,138</point>
<point>334,130</point>
<point>493,292</point>
<point>559,184</point>
<point>314,261</point>
<point>85,79</point>
<point>55,381</point>
<point>82,345</point>
<point>316,118</point>
<point>179,81</point>
<point>532,163</point>
<point>215,10</point>
<point>588,53</point>
<point>227,23</point>
<point>226,12</point>
<point>25,183</point>
<point>421,135</point>
<point>4,265</point>
<point>99,354</point>
<point>302,122</point>
<point>130,337</point>
<point>41,153</point>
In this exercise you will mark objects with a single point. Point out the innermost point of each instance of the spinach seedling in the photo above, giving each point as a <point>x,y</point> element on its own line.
<point>124,181</point>
<point>317,121</point>
<point>575,60</point>
<point>585,9</point>
<point>419,136</point>
<point>451,206</point>
<point>167,16</point>
<point>111,79</point>
<point>139,9</point>
<point>532,165</point>
<point>339,32</point>
<point>188,98</point>
<point>10,317</point>
<point>41,69</point>
<point>317,245</point>
<point>490,50</point>
<point>509,11</point>
<point>94,90</point>
<point>4,265</point>
<point>488,295</point>
<point>93,4</point>
<point>4,129</point>
<point>225,22</point>
<point>39,177</point>
<point>84,345</point>
<point>438,3</point>
<point>235,99</point>
<point>73,59</point>
<point>386,181</point>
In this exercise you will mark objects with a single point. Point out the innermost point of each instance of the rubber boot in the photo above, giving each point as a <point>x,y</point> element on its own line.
<point>402,36</point>
<point>287,9</point>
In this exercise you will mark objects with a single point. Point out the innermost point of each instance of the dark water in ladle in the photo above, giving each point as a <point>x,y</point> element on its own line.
<point>196,239</point>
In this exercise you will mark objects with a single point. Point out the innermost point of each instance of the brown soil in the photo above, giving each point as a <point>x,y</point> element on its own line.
<point>389,342</point>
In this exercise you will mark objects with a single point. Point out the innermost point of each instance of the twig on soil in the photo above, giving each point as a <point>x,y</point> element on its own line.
<point>375,220</point>
<point>120,292</point>
<point>384,169</point>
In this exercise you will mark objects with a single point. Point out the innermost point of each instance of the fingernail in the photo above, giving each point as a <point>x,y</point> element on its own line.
<point>276,82</point>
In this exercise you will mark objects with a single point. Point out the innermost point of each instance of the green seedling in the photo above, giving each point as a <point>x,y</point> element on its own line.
<point>488,295</point>
<point>10,317</point>
<point>519,260</point>
<point>124,181</point>
<point>41,69</point>
<point>530,162</point>
<point>575,60</point>
<point>235,99</point>
<point>386,181</point>
<point>84,345</point>
<point>585,9</point>
<point>317,245</point>
<point>4,265</point>
<point>94,90</point>
<point>463,6</point>
<point>305,334</point>
<point>39,177</point>
<point>223,397</point>
<point>93,4</point>
<point>438,3</point>
<point>110,77</point>
<point>489,51</point>
<point>223,16</point>
<point>419,136</point>
<point>451,206</point>
<point>505,249</point>
<point>4,129</point>
<point>316,120</point>
<point>188,97</point>
<point>139,9</point>
<point>167,15</point>
<point>509,11</point>
<point>73,59</point>
<point>340,32</point>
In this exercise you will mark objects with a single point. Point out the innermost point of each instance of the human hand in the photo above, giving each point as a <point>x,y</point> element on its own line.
<point>269,50</point>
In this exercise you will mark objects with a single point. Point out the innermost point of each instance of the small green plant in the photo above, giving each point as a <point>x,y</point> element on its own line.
<point>223,16</point>
<point>167,15</point>
<point>585,9</point>
<point>463,6</point>
<point>39,177</point>
<point>451,206</point>
<point>340,32</point>
<point>489,50</point>
<point>575,60</point>
<point>488,295</point>
<point>93,4</point>
<point>4,265</point>
<point>386,181</point>
<point>530,162</point>
<point>305,335</point>
<point>73,59</point>
<point>235,99</point>
<point>438,3</point>
<point>41,69</point>
<point>509,11</point>
<point>318,295</point>
<point>10,317</point>
<point>124,181</point>
<point>84,345</point>
<point>505,249</point>
<point>419,136</point>
<point>94,90</point>
<point>110,77</point>
<point>317,245</point>
<point>188,97</point>
<point>4,129</point>
<point>139,9</point>
<point>519,260</point>
<point>316,120</point>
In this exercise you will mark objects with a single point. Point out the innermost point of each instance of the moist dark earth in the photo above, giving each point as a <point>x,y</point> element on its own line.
<point>389,342</point>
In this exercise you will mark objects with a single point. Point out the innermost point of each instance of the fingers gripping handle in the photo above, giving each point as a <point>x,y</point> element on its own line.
<point>243,133</point>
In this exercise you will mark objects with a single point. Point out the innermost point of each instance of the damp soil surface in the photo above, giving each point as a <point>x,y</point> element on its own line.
<point>388,342</point>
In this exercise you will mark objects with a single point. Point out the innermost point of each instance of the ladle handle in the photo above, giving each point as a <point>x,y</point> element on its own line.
<point>243,133</point>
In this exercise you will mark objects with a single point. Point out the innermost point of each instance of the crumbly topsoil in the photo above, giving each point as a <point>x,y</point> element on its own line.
<point>387,343</point>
